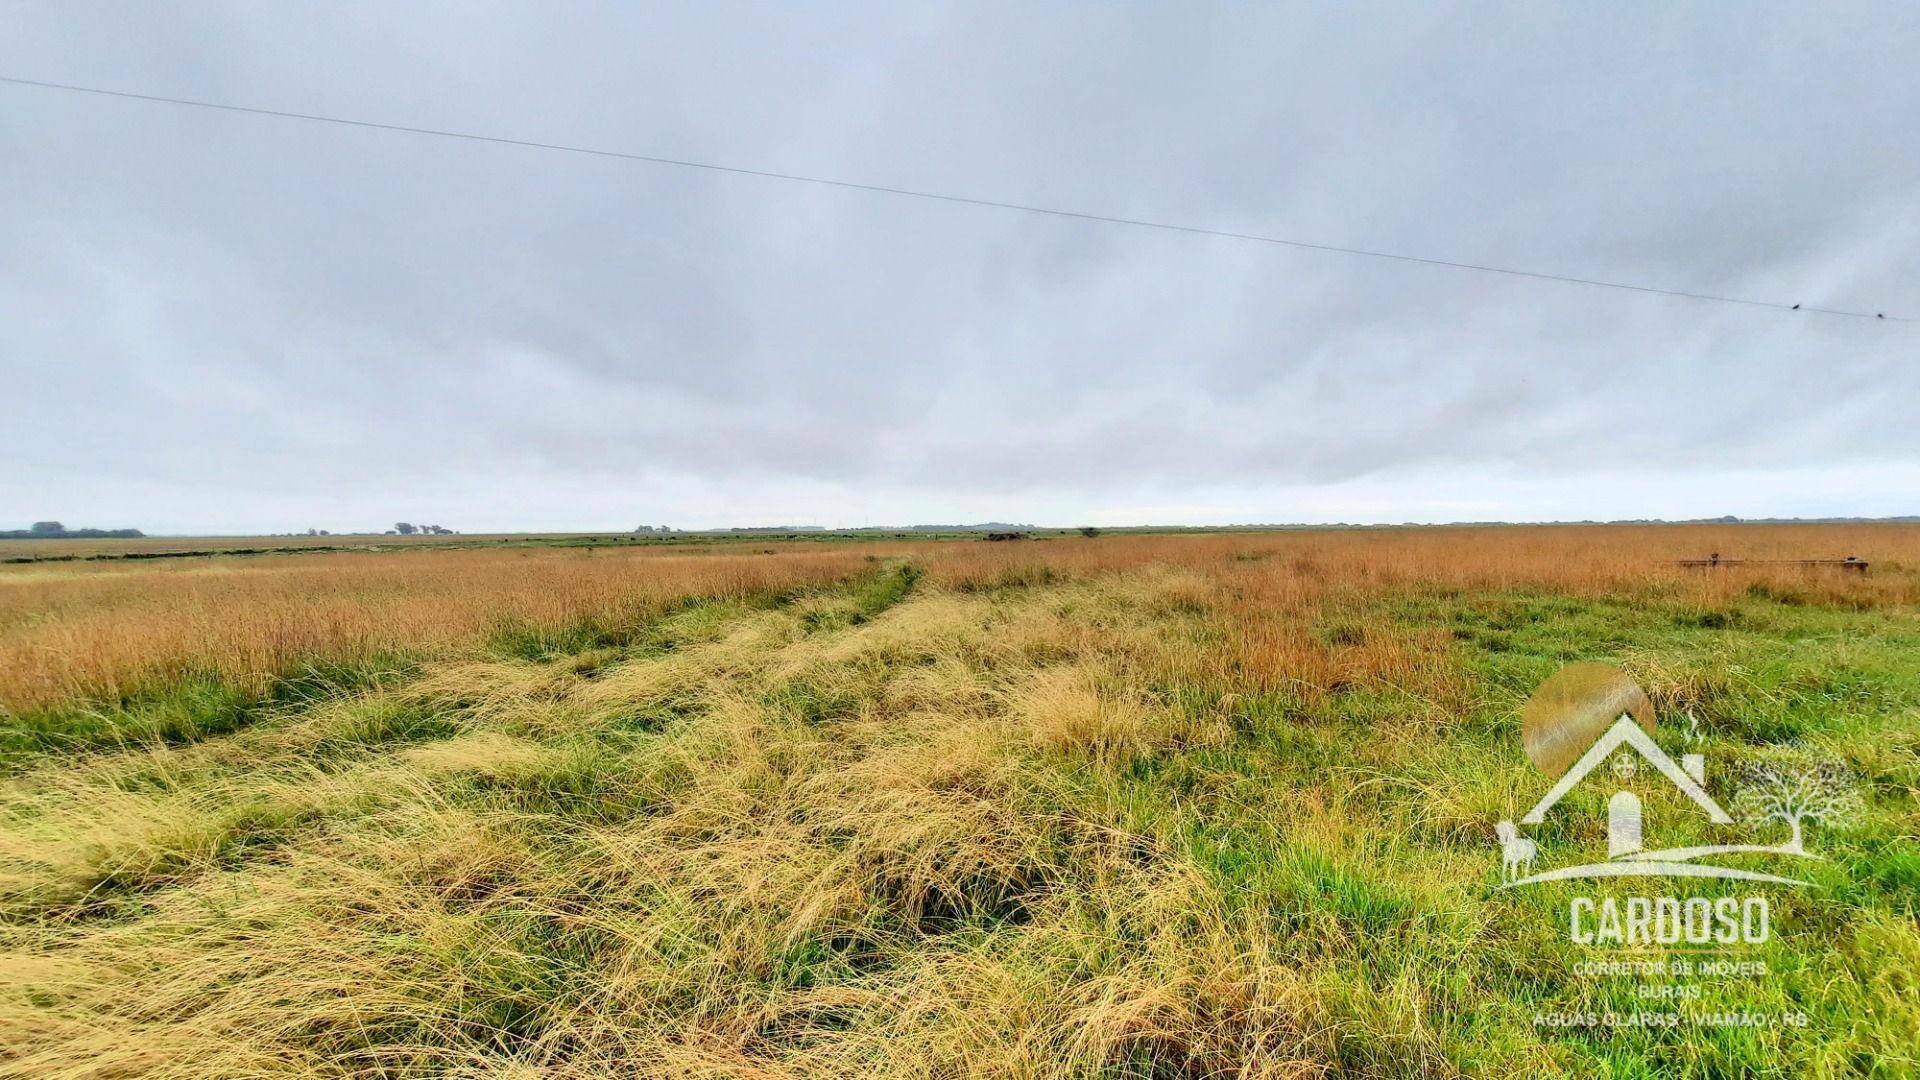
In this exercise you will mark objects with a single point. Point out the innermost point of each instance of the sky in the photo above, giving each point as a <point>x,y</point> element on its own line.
<point>221,323</point>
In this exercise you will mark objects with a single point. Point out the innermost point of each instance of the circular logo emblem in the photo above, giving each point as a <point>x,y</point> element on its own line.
<point>1573,708</point>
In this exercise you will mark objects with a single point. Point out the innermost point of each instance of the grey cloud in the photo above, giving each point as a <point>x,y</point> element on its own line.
<point>219,321</point>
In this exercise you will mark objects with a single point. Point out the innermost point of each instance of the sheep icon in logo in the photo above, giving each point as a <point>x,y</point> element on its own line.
<point>1589,714</point>
<point>1517,853</point>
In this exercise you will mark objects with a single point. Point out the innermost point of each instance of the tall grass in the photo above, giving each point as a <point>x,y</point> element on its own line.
<point>1130,806</point>
<point>110,632</point>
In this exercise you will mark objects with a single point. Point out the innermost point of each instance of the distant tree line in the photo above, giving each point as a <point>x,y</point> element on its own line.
<point>53,530</point>
<point>402,528</point>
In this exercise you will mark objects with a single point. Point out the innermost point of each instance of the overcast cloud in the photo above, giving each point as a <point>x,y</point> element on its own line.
<point>218,322</point>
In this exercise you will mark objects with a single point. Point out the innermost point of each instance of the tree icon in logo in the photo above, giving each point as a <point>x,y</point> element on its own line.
<point>1822,791</point>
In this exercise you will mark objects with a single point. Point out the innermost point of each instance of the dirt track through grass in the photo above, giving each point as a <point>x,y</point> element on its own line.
<point>1007,825</point>
<point>819,835</point>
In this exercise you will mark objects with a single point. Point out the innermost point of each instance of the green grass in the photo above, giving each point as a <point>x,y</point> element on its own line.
<point>1378,900</point>
<point>816,834</point>
<point>186,709</point>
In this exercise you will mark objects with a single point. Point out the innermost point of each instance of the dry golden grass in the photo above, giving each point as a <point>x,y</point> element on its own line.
<point>843,863</point>
<point>110,629</point>
<point>1590,558</point>
<point>976,829</point>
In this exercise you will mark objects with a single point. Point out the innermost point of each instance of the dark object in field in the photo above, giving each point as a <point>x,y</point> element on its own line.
<point>1006,536</point>
<point>1714,561</point>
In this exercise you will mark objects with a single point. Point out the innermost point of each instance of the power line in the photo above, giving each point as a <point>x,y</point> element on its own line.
<point>965,200</point>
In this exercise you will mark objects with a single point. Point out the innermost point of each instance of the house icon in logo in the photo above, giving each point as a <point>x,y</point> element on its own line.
<point>1623,810</point>
<point>1590,714</point>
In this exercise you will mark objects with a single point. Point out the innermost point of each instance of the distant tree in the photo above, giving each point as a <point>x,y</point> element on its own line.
<point>1089,531</point>
<point>404,529</point>
<point>1794,794</point>
<point>48,528</point>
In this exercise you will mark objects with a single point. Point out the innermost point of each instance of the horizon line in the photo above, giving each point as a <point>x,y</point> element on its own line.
<point>987,526</point>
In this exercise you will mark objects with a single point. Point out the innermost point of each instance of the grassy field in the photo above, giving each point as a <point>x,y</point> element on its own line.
<point>111,549</point>
<point>1126,806</point>
<point>166,547</point>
